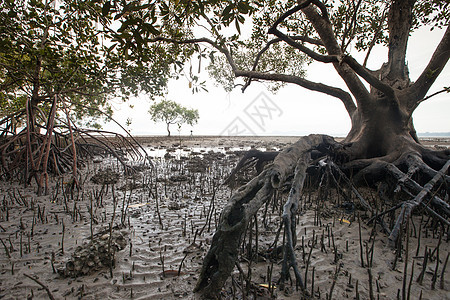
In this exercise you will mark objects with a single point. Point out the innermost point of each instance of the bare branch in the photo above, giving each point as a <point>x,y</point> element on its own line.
<point>359,69</point>
<point>323,27</point>
<point>435,66</point>
<point>445,89</point>
<point>323,9</point>
<point>277,40</point>
<point>375,36</point>
<point>319,87</point>
<point>291,41</point>
<point>310,85</point>
<point>347,30</point>
<point>290,13</point>
<point>222,49</point>
<point>368,76</point>
<point>314,55</point>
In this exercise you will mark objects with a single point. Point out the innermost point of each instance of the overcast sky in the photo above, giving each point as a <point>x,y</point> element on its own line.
<point>293,110</point>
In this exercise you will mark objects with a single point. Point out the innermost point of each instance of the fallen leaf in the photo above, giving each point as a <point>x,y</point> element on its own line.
<point>344,221</point>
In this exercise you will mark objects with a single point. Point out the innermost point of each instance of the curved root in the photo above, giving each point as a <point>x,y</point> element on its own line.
<point>244,204</point>
<point>398,171</point>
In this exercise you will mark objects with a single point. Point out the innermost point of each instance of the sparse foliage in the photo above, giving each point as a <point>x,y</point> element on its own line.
<point>170,112</point>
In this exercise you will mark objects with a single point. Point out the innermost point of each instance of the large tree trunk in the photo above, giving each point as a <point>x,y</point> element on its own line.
<point>381,131</point>
<point>382,145</point>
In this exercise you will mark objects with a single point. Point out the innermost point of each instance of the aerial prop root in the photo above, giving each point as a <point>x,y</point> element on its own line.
<point>414,170</point>
<point>28,154</point>
<point>408,172</point>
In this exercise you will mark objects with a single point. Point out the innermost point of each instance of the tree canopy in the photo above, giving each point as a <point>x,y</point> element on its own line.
<point>91,51</point>
<point>64,49</point>
<point>273,41</point>
<point>282,37</point>
<point>170,112</point>
<point>58,70</point>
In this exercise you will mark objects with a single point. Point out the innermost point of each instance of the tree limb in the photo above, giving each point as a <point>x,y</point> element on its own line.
<point>375,35</point>
<point>368,76</point>
<point>277,40</point>
<point>399,26</point>
<point>445,89</point>
<point>310,85</point>
<point>347,29</point>
<point>434,68</point>
<point>324,28</point>
<point>319,87</point>
<point>290,12</point>
<point>314,55</point>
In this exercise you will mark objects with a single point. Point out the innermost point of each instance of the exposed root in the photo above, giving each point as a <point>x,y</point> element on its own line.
<point>243,205</point>
<point>28,154</point>
<point>413,187</point>
<point>408,206</point>
<point>253,157</point>
<point>288,216</point>
<point>399,176</point>
<point>220,259</point>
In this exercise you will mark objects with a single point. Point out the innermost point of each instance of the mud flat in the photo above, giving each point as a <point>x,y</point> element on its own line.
<point>144,235</point>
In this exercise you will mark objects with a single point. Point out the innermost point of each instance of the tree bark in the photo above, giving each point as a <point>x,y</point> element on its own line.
<point>399,26</point>
<point>167,127</point>
<point>243,205</point>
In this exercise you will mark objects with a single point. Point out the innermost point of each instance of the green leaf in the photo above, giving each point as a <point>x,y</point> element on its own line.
<point>226,12</point>
<point>238,27</point>
<point>243,7</point>
<point>150,28</point>
<point>106,8</point>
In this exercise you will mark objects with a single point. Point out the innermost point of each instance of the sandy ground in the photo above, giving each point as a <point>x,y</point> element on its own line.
<point>161,222</point>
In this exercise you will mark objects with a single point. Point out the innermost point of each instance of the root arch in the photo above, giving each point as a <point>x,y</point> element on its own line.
<point>403,171</point>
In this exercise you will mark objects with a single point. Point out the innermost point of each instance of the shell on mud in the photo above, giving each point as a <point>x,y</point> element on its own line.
<point>94,255</point>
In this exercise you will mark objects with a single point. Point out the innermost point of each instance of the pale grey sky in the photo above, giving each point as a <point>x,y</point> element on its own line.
<point>293,110</point>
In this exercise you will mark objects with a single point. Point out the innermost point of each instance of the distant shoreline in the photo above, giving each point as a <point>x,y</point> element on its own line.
<point>249,141</point>
<point>420,135</point>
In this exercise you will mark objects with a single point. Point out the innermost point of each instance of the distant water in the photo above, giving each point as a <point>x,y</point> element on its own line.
<point>434,134</point>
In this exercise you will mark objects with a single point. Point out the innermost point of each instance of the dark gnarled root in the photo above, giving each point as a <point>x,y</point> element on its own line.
<point>408,206</point>
<point>221,257</point>
<point>250,158</point>
<point>289,212</point>
<point>244,204</point>
<point>397,170</point>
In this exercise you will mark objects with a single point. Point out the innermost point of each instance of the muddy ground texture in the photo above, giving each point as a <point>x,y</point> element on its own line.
<point>144,235</point>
